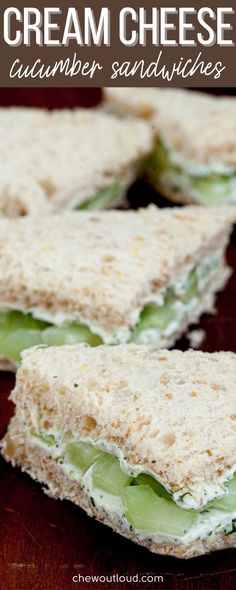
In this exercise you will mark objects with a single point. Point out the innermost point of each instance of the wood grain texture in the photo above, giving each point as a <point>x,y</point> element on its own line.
<point>44,543</point>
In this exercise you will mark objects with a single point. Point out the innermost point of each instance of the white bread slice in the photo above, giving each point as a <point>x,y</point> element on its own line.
<point>200,125</point>
<point>57,485</point>
<point>195,156</point>
<point>170,414</point>
<point>58,159</point>
<point>101,268</point>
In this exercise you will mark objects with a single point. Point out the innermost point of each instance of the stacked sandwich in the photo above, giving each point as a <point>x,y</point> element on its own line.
<point>109,276</point>
<point>194,159</point>
<point>141,437</point>
<point>67,159</point>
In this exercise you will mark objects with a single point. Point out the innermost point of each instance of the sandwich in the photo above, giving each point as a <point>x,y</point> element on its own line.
<point>141,439</point>
<point>194,159</point>
<point>67,159</point>
<point>109,276</point>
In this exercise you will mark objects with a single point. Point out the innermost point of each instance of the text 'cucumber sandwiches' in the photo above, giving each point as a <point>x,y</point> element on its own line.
<point>108,277</point>
<point>194,160</point>
<point>67,159</point>
<point>141,439</point>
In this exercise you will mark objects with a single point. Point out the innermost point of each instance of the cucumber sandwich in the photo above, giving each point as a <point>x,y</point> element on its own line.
<point>52,160</point>
<point>108,276</point>
<point>194,160</point>
<point>144,440</point>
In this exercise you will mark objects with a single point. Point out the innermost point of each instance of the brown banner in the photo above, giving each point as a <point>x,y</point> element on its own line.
<point>117,43</point>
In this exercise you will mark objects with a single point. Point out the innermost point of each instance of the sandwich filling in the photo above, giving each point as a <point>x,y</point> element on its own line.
<point>104,197</point>
<point>167,169</point>
<point>138,501</point>
<point>160,318</point>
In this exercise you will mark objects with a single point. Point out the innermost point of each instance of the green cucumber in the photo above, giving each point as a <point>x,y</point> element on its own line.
<point>213,188</point>
<point>226,504</point>
<point>57,336</point>
<point>103,198</point>
<point>13,320</point>
<point>146,512</point>
<point>48,440</point>
<point>191,290</point>
<point>19,331</point>
<point>13,344</point>
<point>158,317</point>
<point>108,476</point>
<point>231,484</point>
<point>210,188</point>
<point>82,455</point>
<point>157,162</point>
<point>154,317</point>
<point>145,479</point>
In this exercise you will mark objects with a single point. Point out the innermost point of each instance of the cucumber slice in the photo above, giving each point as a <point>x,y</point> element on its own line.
<point>13,343</point>
<point>155,317</point>
<point>214,188</point>
<point>57,336</point>
<point>145,511</point>
<point>82,455</point>
<point>12,320</point>
<point>103,198</point>
<point>108,476</point>
<point>157,162</point>
<point>227,503</point>
<point>19,331</point>
<point>231,485</point>
<point>145,479</point>
<point>191,287</point>
<point>48,440</point>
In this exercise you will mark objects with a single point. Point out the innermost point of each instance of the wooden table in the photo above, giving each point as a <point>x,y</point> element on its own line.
<point>44,543</point>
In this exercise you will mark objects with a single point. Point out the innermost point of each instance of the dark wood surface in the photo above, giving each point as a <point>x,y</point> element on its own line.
<point>44,543</point>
